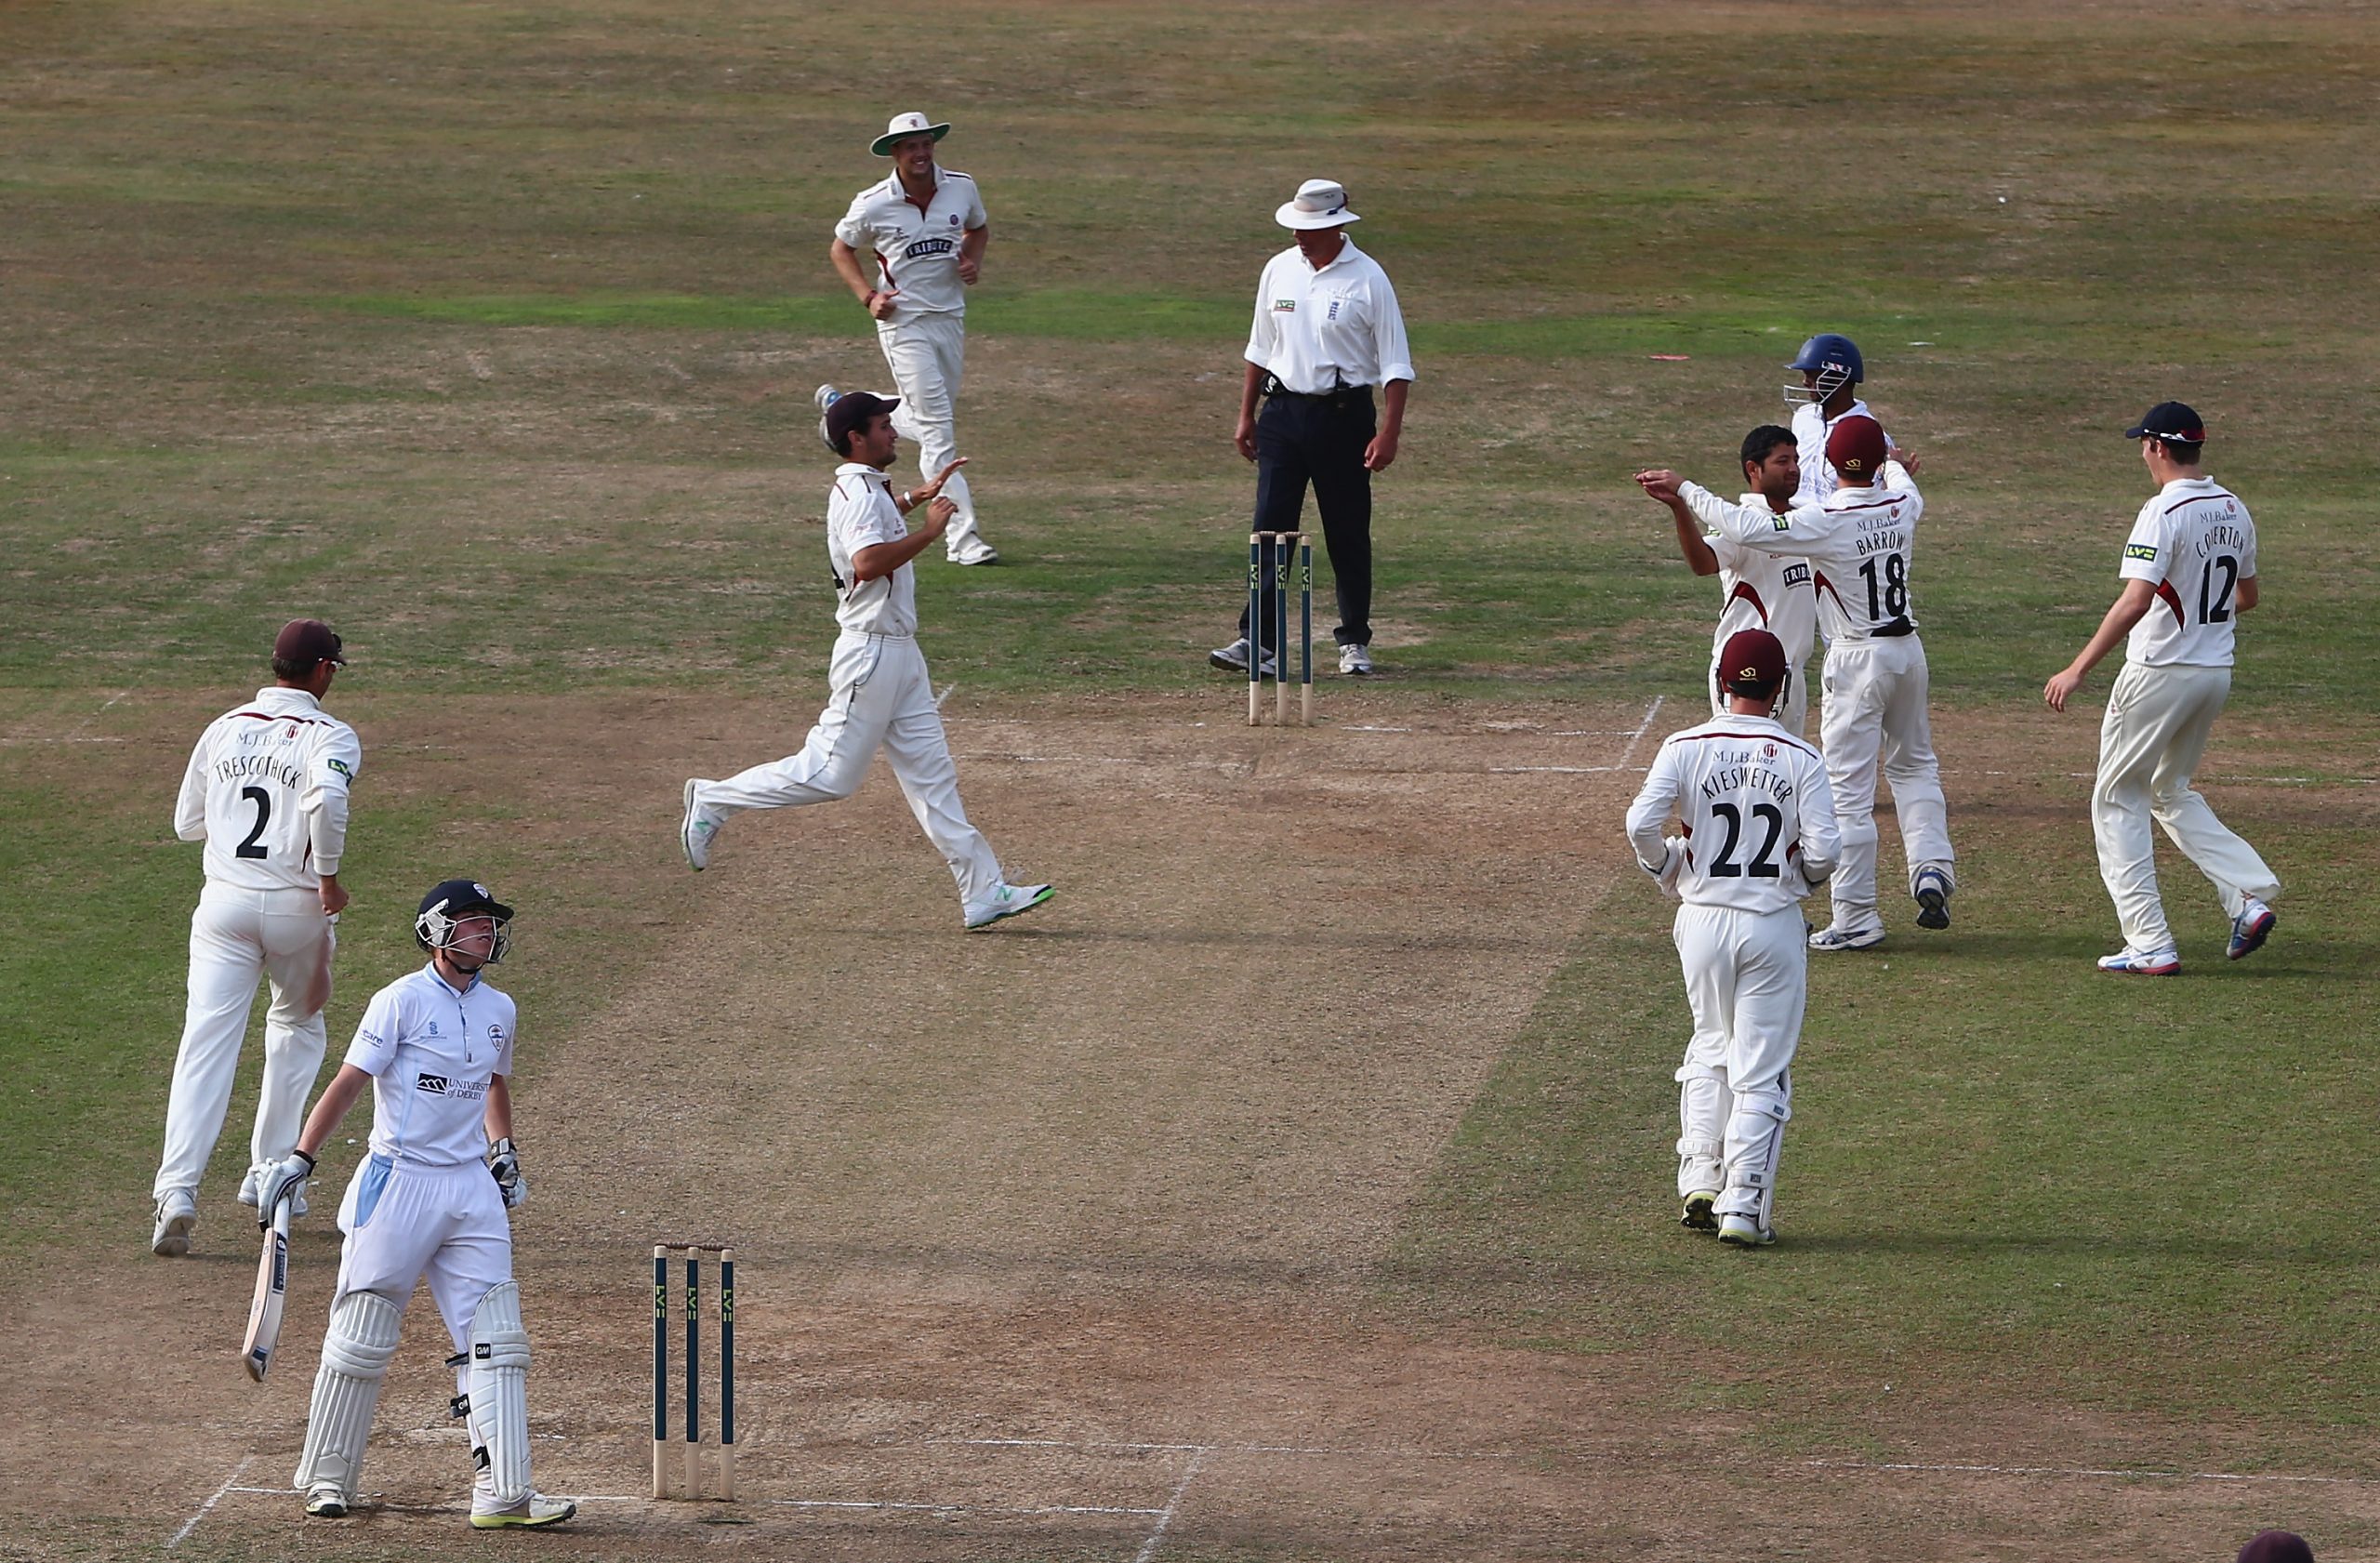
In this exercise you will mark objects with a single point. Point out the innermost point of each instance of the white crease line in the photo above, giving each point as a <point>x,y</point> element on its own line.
<point>1367,728</point>
<point>1156,1537</point>
<point>105,706</point>
<point>71,738</point>
<point>2215,781</point>
<point>2085,1471</point>
<point>949,1508</point>
<point>1636,737</point>
<point>1131,1446</point>
<point>1559,770</point>
<point>237,1472</point>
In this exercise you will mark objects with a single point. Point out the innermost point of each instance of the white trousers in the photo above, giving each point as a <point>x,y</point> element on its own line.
<point>445,1224</point>
<point>2149,743</point>
<point>236,936</point>
<point>1747,981</point>
<point>882,698</point>
<point>1793,715</point>
<point>1874,716</point>
<point>928,355</point>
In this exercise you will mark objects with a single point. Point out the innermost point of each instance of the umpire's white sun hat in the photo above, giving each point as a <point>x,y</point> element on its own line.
<point>1319,204</point>
<point>910,124</point>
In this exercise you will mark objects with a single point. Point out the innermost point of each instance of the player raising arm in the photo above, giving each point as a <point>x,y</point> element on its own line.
<point>1759,834</point>
<point>1859,544</point>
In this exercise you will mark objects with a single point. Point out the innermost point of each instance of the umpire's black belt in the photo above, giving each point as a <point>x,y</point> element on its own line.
<point>1337,396</point>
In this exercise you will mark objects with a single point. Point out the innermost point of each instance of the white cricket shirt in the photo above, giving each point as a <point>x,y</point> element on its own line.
<point>859,513</point>
<point>266,788</point>
<point>1810,429</point>
<point>431,1053</point>
<point>1859,543</point>
<point>2195,540</point>
<point>1759,815</point>
<point>1339,325</point>
<point>1767,591</point>
<point>916,252</point>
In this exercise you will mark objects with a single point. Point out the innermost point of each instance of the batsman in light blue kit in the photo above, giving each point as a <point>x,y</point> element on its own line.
<point>429,1203</point>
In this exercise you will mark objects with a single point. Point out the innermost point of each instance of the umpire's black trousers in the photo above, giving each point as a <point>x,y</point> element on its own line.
<point>1320,440</point>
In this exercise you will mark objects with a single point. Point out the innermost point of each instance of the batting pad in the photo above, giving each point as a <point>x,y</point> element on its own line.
<point>499,1380</point>
<point>1756,1141</point>
<point>356,1350</point>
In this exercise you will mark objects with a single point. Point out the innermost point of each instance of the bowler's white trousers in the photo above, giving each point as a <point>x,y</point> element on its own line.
<point>882,698</point>
<point>1747,981</point>
<point>406,1223</point>
<point>2149,745</point>
<point>928,354</point>
<point>237,935</point>
<point>1874,712</point>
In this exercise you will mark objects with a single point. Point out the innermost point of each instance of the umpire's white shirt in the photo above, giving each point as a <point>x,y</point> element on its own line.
<point>916,252</point>
<point>1757,809</point>
<point>267,788</point>
<point>430,1051</point>
<point>2195,542</point>
<point>1316,329</point>
<point>859,513</point>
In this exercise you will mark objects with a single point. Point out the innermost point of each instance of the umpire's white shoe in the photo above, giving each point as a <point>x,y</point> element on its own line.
<point>696,830</point>
<point>1847,938</point>
<point>2129,962</point>
<point>1933,890</point>
<point>1355,660</point>
<point>1007,900</point>
<point>1232,658</point>
<point>1743,1231</point>
<point>535,1510</point>
<point>176,1218</point>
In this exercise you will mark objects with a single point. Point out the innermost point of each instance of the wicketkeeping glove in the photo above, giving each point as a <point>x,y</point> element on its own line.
<point>503,1164</point>
<point>286,1181</point>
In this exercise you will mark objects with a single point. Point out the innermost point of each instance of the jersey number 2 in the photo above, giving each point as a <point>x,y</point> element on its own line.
<point>1725,865</point>
<point>263,800</point>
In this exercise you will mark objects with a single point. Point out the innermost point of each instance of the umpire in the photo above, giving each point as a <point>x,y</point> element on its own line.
<point>1327,331</point>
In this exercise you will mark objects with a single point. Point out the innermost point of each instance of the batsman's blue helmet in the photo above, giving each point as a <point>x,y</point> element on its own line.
<point>1835,359</point>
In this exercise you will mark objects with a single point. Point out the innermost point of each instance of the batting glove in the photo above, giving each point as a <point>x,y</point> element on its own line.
<point>503,1164</point>
<point>286,1181</point>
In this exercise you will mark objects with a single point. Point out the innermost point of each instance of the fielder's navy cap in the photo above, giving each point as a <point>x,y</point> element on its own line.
<point>2169,420</point>
<point>462,899</point>
<point>308,640</point>
<point>851,411</point>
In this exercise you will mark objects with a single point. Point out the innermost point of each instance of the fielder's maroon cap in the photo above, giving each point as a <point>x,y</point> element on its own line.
<point>2173,420</point>
<point>1752,662</point>
<point>2276,1546</point>
<point>851,411</point>
<point>308,640</point>
<point>1856,445</point>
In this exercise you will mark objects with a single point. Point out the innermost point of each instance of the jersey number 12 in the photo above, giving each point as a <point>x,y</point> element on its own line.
<point>2215,606</point>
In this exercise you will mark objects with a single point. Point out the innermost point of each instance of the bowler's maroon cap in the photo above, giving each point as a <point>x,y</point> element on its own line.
<point>1857,447</point>
<point>2276,1546</point>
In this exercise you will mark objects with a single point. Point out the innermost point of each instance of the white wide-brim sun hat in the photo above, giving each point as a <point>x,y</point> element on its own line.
<point>1319,204</point>
<point>910,124</point>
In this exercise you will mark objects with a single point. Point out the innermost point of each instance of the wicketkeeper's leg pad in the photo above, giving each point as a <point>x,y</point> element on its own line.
<point>1756,1141</point>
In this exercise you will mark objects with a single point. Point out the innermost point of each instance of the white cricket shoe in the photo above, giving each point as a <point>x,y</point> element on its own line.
<point>1743,1231</point>
<point>981,553</point>
<point>1007,900</point>
<point>1355,660</point>
<point>1932,892</point>
<point>2129,962</point>
<point>326,1500</point>
<point>176,1218</point>
<point>696,830</point>
<point>535,1510</point>
<point>1847,938</point>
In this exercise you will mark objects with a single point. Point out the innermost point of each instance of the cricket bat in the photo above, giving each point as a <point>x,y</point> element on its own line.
<point>273,1290</point>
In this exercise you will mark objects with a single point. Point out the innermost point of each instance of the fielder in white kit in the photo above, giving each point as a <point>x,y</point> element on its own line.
<point>924,231</point>
<point>2190,571</point>
<point>1760,591</point>
<point>881,695</point>
<point>266,789</point>
<point>429,1203</point>
<point>1758,835</point>
<point>1859,543</point>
